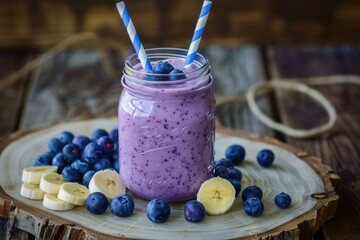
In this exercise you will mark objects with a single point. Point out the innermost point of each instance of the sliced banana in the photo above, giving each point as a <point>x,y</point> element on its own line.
<point>108,182</point>
<point>73,193</point>
<point>51,182</point>
<point>217,195</point>
<point>52,202</point>
<point>33,174</point>
<point>31,191</point>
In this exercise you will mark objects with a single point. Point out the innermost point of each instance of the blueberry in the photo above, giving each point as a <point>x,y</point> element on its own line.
<point>114,135</point>
<point>265,158</point>
<point>81,142</point>
<point>234,173</point>
<point>158,210</point>
<point>97,203</point>
<point>282,200</point>
<point>116,165</point>
<point>98,133</point>
<point>163,67</point>
<point>71,152</point>
<point>254,207</point>
<point>87,178</point>
<point>92,153</point>
<point>237,185</point>
<point>251,192</point>
<point>102,165</point>
<point>154,76</point>
<point>66,137</point>
<point>42,160</point>
<point>82,167</point>
<point>50,154</point>
<point>115,155</point>
<point>122,206</point>
<point>106,144</point>
<point>224,162</point>
<point>70,174</point>
<point>177,74</point>
<point>55,145</point>
<point>235,153</point>
<point>60,162</point>
<point>194,211</point>
<point>221,171</point>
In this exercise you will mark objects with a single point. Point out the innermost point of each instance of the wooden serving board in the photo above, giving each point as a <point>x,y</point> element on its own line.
<point>294,172</point>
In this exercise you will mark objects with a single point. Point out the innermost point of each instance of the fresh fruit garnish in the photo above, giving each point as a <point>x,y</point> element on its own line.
<point>217,195</point>
<point>158,210</point>
<point>31,191</point>
<point>66,137</point>
<point>73,193</point>
<point>114,135</point>
<point>59,161</point>
<point>33,174</point>
<point>177,74</point>
<point>265,158</point>
<point>237,185</point>
<point>234,173</point>
<point>194,211</point>
<point>223,162</point>
<point>81,141</point>
<point>235,153</point>
<point>102,165</point>
<point>87,178</point>
<point>282,200</point>
<point>92,153</point>
<point>163,67</point>
<point>122,206</point>
<point>42,160</point>
<point>51,182</point>
<point>81,166</point>
<point>221,171</point>
<point>98,133</point>
<point>52,202</point>
<point>70,174</point>
<point>106,144</point>
<point>55,145</point>
<point>97,203</point>
<point>108,182</point>
<point>251,192</point>
<point>71,152</point>
<point>253,207</point>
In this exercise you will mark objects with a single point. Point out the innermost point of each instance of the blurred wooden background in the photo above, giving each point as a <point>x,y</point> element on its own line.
<point>42,23</point>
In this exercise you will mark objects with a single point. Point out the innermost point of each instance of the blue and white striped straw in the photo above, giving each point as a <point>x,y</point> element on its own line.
<point>199,30</point>
<point>134,37</point>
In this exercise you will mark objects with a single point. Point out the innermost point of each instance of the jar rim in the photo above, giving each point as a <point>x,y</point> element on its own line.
<point>158,54</point>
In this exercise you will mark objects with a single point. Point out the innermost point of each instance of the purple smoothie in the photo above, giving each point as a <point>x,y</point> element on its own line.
<point>166,132</point>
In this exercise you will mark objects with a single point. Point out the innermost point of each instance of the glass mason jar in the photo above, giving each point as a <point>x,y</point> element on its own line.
<point>166,128</point>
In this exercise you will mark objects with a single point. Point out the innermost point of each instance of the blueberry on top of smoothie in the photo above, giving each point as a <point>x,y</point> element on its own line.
<point>163,67</point>
<point>177,74</point>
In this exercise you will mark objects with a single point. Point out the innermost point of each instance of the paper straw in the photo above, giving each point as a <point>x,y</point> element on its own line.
<point>134,37</point>
<point>199,30</point>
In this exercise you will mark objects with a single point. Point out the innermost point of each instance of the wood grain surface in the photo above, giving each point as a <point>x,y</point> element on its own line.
<point>300,177</point>
<point>171,23</point>
<point>339,149</point>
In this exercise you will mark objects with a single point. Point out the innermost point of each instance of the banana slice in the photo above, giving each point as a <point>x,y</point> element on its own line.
<point>52,202</point>
<point>33,174</point>
<point>31,191</point>
<point>217,195</point>
<point>108,182</point>
<point>51,183</point>
<point>73,193</point>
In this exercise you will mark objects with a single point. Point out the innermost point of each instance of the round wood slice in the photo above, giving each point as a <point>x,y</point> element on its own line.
<point>294,172</point>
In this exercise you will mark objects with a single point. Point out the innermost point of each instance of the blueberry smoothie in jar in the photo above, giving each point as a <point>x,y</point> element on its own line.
<point>166,126</point>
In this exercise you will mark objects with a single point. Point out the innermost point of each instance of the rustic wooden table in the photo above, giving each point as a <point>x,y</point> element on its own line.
<point>74,85</point>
